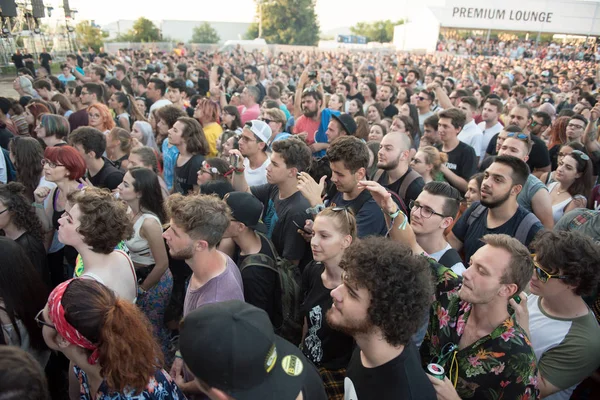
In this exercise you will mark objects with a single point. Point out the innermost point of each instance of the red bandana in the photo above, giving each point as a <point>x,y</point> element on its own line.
<point>66,330</point>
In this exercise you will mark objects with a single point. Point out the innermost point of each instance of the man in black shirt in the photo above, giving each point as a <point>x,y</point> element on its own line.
<point>28,59</point>
<point>45,60</point>
<point>384,95</point>
<point>231,349</point>
<point>91,144</point>
<point>261,285</point>
<point>17,59</point>
<point>353,93</point>
<point>382,319</point>
<point>462,161</point>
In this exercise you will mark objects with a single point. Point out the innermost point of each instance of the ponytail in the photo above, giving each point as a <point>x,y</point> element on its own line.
<point>128,352</point>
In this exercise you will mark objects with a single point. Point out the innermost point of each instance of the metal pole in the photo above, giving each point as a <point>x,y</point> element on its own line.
<point>487,39</point>
<point>260,18</point>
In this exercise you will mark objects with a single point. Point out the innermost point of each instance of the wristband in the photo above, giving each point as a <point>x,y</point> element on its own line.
<point>395,214</point>
<point>178,354</point>
<point>316,209</point>
<point>239,171</point>
<point>38,205</point>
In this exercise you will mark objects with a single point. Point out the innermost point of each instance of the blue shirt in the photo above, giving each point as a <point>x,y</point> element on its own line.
<point>320,136</point>
<point>170,154</point>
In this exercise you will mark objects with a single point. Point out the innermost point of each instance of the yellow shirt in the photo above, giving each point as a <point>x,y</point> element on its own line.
<point>212,132</point>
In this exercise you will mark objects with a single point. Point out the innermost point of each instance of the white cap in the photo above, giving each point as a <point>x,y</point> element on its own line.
<point>260,128</point>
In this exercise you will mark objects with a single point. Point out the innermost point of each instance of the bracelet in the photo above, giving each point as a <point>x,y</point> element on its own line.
<point>395,214</point>
<point>239,171</point>
<point>38,205</point>
<point>178,354</point>
<point>316,209</point>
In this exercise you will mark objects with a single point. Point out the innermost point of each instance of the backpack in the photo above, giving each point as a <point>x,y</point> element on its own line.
<point>291,293</point>
<point>365,196</point>
<point>408,180</point>
<point>522,230</point>
<point>450,258</point>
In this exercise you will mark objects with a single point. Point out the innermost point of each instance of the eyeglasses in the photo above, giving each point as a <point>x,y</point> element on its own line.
<point>50,164</point>
<point>426,212</point>
<point>94,116</point>
<point>520,136</point>
<point>40,321</point>
<point>581,155</point>
<point>3,211</point>
<point>543,276</point>
<point>575,126</point>
<point>338,209</point>
<point>422,98</point>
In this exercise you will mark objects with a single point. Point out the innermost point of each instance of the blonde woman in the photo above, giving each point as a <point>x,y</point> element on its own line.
<point>427,163</point>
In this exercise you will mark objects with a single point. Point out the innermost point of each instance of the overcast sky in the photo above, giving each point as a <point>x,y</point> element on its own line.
<point>329,12</point>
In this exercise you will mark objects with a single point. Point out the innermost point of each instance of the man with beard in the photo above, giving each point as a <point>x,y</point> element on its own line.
<point>251,79</point>
<point>368,305</point>
<point>197,225</point>
<point>395,174</point>
<point>498,212</point>
<point>484,353</point>
<point>384,95</point>
<point>490,126</point>
<point>312,124</point>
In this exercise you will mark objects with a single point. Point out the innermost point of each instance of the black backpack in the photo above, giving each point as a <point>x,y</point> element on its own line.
<point>291,293</point>
<point>522,229</point>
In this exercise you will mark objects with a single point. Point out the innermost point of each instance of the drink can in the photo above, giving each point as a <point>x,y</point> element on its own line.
<point>436,370</point>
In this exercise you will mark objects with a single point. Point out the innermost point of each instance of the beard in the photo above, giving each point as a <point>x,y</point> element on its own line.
<point>352,327</point>
<point>390,165</point>
<point>310,113</point>
<point>495,203</point>
<point>183,254</point>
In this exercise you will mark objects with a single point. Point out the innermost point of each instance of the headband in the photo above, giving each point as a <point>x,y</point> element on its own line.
<point>66,330</point>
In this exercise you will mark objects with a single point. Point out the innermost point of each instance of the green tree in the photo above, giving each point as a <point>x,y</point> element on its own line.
<point>143,30</point>
<point>377,31</point>
<point>287,22</point>
<point>88,35</point>
<point>205,33</point>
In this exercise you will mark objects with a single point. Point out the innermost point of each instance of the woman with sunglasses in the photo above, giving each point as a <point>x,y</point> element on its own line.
<point>563,150</point>
<point>22,294</point>
<point>276,120</point>
<point>334,229</point>
<point>207,113</point>
<point>214,169</point>
<point>99,117</point>
<point>63,166</point>
<point>108,341</point>
<point>573,184</point>
<point>141,191</point>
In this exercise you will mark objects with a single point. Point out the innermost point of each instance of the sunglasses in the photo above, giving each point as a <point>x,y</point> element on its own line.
<point>266,120</point>
<point>339,209</point>
<point>39,319</point>
<point>581,155</point>
<point>543,276</point>
<point>520,136</point>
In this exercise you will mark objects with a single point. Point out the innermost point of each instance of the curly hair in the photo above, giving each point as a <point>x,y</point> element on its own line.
<point>352,151</point>
<point>170,114</point>
<point>27,153</point>
<point>571,254</point>
<point>210,110</point>
<point>295,153</point>
<point>12,195</point>
<point>399,283</point>
<point>104,221</point>
<point>128,353</point>
<point>202,217</point>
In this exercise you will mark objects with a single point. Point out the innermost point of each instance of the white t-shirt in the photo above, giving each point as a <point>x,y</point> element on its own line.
<point>471,135</point>
<point>488,134</point>
<point>258,176</point>
<point>159,104</point>
<point>3,170</point>
<point>458,268</point>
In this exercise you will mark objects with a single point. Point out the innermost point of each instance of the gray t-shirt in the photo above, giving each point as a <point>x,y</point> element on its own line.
<point>531,187</point>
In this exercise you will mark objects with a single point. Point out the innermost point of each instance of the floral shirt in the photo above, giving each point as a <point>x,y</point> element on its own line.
<point>501,365</point>
<point>160,387</point>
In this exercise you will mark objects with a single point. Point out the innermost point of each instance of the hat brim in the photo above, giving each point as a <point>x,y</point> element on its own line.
<point>280,384</point>
<point>260,227</point>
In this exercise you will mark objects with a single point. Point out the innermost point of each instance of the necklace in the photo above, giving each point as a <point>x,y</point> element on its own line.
<point>558,191</point>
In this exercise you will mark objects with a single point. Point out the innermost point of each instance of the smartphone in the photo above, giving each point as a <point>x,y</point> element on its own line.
<point>302,228</point>
<point>312,74</point>
<point>233,160</point>
<point>517,298</point>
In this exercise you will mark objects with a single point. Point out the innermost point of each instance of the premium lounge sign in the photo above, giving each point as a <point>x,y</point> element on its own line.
<point>553,16</point>
<point>495,14</point>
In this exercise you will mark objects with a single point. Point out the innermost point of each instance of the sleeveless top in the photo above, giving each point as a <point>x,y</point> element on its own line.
<point>559,209</point>
<point>139,249</point>
<point>91,275</point>
<point>124,114</point>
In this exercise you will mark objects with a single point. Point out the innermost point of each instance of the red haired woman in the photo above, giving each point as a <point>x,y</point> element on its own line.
<point>99,117</point>
<point>109,342</point>
<point>207,113</point>
<point>32,115</point>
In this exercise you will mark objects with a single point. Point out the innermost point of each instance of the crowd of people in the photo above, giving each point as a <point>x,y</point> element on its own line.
<point>248,225</point>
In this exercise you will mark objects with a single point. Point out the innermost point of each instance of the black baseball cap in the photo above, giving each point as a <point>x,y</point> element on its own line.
<point>247,209</point>
<point>348,123</point>
<point>231,346</point>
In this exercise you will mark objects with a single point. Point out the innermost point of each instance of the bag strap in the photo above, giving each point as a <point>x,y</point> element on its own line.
<point>450,258</point>
<point>408,180</point>
<point>480,209</point>
<point>360,201</point>
<point>271,245</point>
<point>525,226</point>
<point>259,260</point>
<point>377,175</point>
